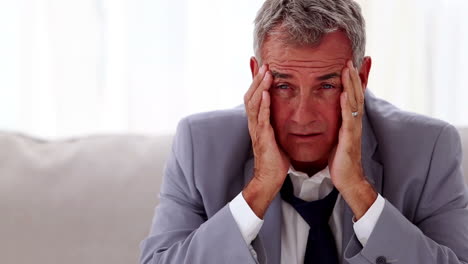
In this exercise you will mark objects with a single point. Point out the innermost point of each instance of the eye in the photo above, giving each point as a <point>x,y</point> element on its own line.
<point>282,86</point>
<point>327,86</point>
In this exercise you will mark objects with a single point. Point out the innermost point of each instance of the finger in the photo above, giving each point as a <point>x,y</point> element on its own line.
<point>346,115</point>
<point>350,87</point>
<point>347,84</point>
<point>356,80</point>
<point>255,83</point>
<point>247,97</point>
<point>264,114</point>
<point>350,129</point>
<point>254,104</point>
<point>255,100</point>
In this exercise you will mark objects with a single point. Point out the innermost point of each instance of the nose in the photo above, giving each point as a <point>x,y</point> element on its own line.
<point>305,110</point>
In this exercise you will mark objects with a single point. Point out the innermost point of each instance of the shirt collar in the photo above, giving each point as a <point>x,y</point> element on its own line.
<point>325,173</point>
<point>308,188</point>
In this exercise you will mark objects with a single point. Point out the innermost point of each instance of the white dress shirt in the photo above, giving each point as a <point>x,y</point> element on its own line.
<point>294,229</point>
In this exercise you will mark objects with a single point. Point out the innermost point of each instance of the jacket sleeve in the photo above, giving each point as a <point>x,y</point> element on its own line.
<point>181,232</point>
<point>440,234</point>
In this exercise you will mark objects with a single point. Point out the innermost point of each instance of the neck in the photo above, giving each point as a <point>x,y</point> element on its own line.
<point>311,168</point>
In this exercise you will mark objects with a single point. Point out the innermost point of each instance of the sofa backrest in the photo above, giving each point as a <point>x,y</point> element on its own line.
<point>85,200</point>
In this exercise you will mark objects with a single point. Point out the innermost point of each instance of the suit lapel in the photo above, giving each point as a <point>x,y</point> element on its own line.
<point>267,245</point>
<point>373,171</point>
<point>370,155</point>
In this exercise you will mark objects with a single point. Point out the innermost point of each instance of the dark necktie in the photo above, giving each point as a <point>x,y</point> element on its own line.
<point>321,247</point>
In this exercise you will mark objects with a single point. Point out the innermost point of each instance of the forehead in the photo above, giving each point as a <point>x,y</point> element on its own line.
<point>331,54</point>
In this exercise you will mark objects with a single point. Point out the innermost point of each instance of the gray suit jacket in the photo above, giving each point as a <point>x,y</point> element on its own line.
<point>412,161</point>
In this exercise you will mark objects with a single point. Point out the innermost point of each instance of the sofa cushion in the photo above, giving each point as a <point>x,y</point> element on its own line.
<point>87,200</point>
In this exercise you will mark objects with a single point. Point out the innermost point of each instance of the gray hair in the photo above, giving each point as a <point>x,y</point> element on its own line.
<point>305,22</point>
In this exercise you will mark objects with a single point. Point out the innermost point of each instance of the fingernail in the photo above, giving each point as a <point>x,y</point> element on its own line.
<point>267,74</point>
<point>264,95</point>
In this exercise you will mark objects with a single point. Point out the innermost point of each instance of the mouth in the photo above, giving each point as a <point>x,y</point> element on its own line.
<point>306,136</point>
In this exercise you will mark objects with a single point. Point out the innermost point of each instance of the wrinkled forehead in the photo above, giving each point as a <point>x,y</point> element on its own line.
<point>333,51</point>
<point>293,70</point>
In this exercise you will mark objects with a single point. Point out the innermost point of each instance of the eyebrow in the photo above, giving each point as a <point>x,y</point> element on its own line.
<point>328,76</point>
<point>279,75</point>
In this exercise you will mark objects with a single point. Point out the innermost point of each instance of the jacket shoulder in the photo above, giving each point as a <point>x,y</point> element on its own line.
<point>218,133</point>
<point>393,124</point>
<point>219,119</point>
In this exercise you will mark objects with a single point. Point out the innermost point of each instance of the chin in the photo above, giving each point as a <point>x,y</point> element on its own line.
<point>308,156</point>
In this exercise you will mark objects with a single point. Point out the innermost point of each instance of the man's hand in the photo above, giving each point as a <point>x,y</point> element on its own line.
<point>345,164</point>
<point>271,164</point>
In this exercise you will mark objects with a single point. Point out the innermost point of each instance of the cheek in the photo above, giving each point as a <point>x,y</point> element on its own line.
<point>333,116</point>
<point>279,112</point>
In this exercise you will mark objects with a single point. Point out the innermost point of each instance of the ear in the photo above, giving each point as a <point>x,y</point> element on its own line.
<point>254,67</point>
<point>364,71</point>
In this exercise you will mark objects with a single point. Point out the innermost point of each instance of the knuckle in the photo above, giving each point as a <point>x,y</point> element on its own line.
<point>254,142</point>
<point>349,151</point>
<point>251,124</point>
<point>250,106</point>
<point>348,129</point>
<point>261,125</point>
<point>262,149</point>
<point>257,141</point>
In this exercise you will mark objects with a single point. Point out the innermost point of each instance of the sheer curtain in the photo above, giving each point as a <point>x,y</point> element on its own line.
<point>420,55</point>
<point>64,66</point>
<point>74,67</point>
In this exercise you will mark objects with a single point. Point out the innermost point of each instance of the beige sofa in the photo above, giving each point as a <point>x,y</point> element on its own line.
<point>83,200</point>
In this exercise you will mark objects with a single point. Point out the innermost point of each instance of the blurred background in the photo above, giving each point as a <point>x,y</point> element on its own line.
<point>80,67</point>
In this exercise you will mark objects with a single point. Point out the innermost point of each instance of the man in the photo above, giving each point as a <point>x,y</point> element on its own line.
<point>315,169</point>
